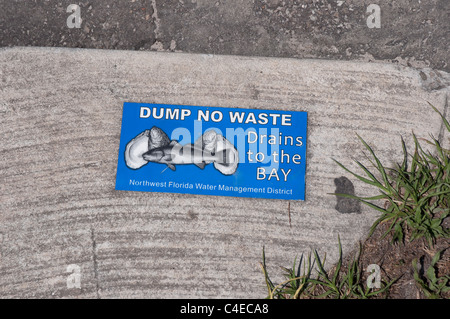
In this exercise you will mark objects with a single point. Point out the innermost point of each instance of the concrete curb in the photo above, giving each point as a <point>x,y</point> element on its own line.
<point>60,125</point>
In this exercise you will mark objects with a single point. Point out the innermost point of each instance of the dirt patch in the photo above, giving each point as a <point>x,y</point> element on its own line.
<point>395,261</point>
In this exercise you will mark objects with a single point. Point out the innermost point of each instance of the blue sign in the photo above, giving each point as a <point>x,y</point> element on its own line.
<point>212,151</point>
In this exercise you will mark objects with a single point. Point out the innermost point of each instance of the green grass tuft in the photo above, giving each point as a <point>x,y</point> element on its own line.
<point>338,284</point>
<point>417,191</point>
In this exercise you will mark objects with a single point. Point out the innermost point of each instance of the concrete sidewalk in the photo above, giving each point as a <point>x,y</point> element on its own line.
<point>60,125</point>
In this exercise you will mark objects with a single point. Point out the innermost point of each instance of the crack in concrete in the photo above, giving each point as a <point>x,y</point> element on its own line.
<point>157,44</point>
<point>156,20</point>
<point>94,254</point>
<point>1,244</point>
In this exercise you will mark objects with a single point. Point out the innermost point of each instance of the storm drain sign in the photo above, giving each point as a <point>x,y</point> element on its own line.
<point>212,151</point>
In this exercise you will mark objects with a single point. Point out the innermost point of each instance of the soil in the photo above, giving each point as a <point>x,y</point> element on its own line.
<point>395,261</point>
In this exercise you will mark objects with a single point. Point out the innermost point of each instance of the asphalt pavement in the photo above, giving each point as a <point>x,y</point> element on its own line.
<point>414,33</point>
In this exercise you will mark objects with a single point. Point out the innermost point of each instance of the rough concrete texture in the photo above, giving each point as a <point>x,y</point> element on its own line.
<point>60,126</point>
<point>413,32</point>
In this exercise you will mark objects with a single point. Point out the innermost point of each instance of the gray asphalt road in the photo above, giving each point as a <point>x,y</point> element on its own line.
<point>412,33</point>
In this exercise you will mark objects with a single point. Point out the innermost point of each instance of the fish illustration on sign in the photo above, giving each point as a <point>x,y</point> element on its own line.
<point>155,146</point>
